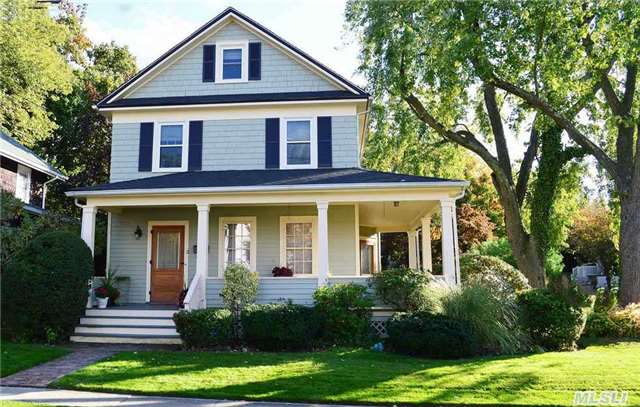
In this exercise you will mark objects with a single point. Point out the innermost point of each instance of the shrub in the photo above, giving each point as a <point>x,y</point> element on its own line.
<point>45,288</point>
<point>346,313</point>
<point>492,271</point>
<point>205,328</point>
<point>404,288</point>
<point>277,327</point>
<point>550,321</point>
<point>500,248</point>
<point>434,336</point>
<point>606,300</point>
<point>240,289</point>
<point>492,318</point>
<point>614,323</point>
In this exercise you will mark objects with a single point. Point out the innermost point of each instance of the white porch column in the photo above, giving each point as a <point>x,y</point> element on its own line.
<point>450,262</point>
<point>427,262</point>
<point>202,257</point>
<point>88,226</point>
<point>413,249</point>
<point>323,243</point>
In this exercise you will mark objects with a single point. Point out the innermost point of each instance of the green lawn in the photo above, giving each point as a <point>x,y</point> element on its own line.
<point>16,357</point>
<point>361,376</point>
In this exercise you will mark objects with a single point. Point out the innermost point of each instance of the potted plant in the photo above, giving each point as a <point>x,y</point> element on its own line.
<point>111,282</point>
<point>102,294</point>
<point>282,271</point>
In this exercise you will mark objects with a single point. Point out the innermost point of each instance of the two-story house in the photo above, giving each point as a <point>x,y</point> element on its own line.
<point>235,146</point>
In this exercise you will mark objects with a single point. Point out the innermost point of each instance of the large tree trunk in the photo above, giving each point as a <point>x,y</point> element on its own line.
<point>630,239</point>
<point>523,245</point>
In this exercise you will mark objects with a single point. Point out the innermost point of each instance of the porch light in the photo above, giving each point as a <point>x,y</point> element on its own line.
<point>396,204</point>
<point>138,232</point>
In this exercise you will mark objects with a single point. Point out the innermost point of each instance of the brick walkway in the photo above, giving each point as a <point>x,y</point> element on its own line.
<point>42,375</point>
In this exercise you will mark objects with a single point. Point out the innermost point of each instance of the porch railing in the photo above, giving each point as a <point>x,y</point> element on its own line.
<point>196,297</point>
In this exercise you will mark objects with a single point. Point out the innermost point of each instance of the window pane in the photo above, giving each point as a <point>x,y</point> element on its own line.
<point>168,250</point>
<point>171,135</point>
<point>237,244</point>
<point>232,64</point>
<point>299,153</point>
<point>299,253</point>
<point>299,130</point>
<point>232,55</point>
<point>170,157</point>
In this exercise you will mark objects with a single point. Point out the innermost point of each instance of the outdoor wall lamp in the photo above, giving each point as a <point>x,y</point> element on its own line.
<point>138,232</point>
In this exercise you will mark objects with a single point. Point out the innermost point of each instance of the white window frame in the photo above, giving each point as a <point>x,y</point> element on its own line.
<point>314,241</point>
<point>251,220</point>
<point>244,71</point>
<point>22,169</point>
<point>313,162</point>
<point>156,147</point>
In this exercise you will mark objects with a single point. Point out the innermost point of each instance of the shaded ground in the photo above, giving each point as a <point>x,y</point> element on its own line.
<point>366,377</point>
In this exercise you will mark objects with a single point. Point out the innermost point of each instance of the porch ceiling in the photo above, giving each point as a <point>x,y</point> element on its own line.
<point>385,216</point>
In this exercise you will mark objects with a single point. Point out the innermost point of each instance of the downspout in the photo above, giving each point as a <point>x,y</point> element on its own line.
<point>44,190</point>
<point>364,129</point>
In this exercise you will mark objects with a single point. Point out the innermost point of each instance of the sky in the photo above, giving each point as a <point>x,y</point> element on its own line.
<point>151,27</point>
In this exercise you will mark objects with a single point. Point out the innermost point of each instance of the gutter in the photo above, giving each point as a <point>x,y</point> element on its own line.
<point>271,188</point>
<point>45,188</point>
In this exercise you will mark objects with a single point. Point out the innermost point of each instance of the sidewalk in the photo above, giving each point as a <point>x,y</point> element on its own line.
<point>90,399</point>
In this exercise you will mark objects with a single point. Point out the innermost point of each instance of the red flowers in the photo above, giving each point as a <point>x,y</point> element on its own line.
<point>282,272</point>
<point>102,292</point>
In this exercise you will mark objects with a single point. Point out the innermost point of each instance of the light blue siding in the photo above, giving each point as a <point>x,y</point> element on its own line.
<point>235,144</point>
<point>270,291</point>
<point>280,73</point>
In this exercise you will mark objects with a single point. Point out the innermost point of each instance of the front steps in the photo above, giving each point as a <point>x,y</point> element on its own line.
<point>134,325</point>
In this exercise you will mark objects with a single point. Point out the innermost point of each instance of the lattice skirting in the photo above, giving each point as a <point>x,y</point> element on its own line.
<point>379,327</point>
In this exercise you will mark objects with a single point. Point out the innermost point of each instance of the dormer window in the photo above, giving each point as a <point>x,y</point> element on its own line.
<point>232,62</point>
<point>170,147</point>
<point>298,143</point>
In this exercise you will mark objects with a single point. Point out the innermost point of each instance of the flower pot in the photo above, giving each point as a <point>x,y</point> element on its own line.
<point>102,302</point>
<point>90,299</point>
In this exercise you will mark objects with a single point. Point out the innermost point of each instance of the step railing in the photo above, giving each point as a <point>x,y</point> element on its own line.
<point>196,297</point>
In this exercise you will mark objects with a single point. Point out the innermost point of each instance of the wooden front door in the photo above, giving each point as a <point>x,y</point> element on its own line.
<point>167,263</point>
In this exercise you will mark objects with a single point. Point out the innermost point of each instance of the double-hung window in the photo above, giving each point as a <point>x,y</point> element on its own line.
<point>170,147</point>
<point>232,62</point>
<point>298,243</point>
<point>238,237</point>
<point>298,143</point>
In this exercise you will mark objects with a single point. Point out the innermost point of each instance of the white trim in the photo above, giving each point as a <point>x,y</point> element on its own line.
<point>23,183</point>
<point>313,142</point>
<point>195,41</point>
<point>314,241</point>
<point>296,277</point>
<point>157,127</point>
<point>150,225</point>
<point>357,235</point>
<point>243,46</point>
<point>321,187</point>
<point>108,254</point>
<point>251,220</point>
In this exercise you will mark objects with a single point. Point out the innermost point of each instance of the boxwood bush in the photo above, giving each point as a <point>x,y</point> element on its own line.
<point>205,328</point>
<point>492,271</point>
<point>277,327</point>
<point>345,310</point>
<point>404,288</point>
<point>429,335</point>
<point>550,320</point>
<point>45,288</point>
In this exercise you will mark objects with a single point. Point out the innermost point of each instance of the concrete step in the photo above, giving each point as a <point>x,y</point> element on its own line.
<point>127,321</point>
<point>126,330</point>
<point>132,339</point>
<point>134,313</point>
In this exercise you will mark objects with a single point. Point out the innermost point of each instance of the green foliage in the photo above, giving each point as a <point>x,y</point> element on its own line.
<point>606,300</point>
<point>496,248</point>
<point>45,287</point>
<point>240,287</point>
<point>592,237</point>
<point>111,282</point>
<point>493,272</point>
<point>281,327</point>
<point>205,328</point>
<point>346,313</point>
<point>432,336</point>
<point>493,318</point>
<point>614,323</point>
<point>403,288</point>
<point>549,319</point>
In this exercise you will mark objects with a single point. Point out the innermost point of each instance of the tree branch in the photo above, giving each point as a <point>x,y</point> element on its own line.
<point>527,164</point>
<point>610,95</point>
<point>498,130</point>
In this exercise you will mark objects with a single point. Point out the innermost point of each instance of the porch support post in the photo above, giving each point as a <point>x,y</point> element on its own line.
<point>413,249</point>
<point>450,262</point>
<point>323,243</point>
<point>88,226</point>
<point>202,257</point>
<point>427,262</point>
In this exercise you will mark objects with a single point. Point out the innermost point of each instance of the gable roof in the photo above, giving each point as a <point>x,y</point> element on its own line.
<point>15,151</point>
<point>220,18</point>
<point>265,180</point>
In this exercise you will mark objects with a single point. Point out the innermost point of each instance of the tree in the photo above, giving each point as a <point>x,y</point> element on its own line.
<point>592,238</point>
<point>419,52</point>
<point>33,67</point>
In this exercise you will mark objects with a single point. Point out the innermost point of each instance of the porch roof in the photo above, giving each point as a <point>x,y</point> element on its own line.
<point>275,179</point>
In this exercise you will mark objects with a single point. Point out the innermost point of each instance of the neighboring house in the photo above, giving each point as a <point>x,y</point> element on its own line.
<point>24,174</point>
<point>237,147</point>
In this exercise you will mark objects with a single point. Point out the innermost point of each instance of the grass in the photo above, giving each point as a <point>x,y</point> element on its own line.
<point>16,356</point>
<point>360,376</point>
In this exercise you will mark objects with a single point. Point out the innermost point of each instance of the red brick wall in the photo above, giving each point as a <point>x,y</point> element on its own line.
<point>7,180</point>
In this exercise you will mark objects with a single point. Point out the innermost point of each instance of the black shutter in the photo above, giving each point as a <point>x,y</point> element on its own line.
<point>208,63</point>
<point>255,56</point>
<point>195,145</point>
<point>324,142</point>
<point>272,143</point>
<point>145,153</point>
